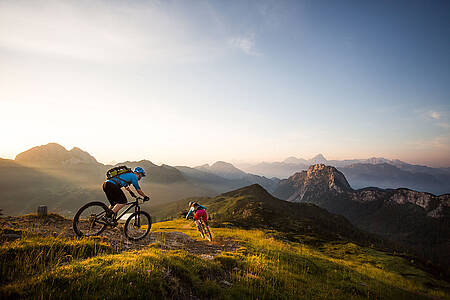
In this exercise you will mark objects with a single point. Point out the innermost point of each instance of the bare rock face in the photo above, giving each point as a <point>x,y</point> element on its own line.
<point>433,205</point>
<point>366,195</point>
<point>317,180</point>
<point>327,177</point>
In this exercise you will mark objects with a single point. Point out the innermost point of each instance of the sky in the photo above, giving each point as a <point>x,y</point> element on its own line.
<point>193,82</point>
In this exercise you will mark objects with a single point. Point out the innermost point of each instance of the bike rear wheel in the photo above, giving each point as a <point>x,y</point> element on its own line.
<point>89,219</point>
<point>138,225</point>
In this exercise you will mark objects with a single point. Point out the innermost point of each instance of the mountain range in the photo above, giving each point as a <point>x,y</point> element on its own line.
<point>66,179</point>
<point>375,171</point>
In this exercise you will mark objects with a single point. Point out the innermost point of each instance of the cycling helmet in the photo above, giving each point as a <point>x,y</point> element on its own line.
<point>140,171</point>
<point>193,203</point>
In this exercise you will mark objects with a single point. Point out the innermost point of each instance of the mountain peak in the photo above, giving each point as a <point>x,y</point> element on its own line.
<point>319,158</point>
<point>50,147</point>
<point>295,160</point>
<point>221,164</point>
<point>48,152</point>
<point>329,175</point>
<point>202,167</point>
<point>82,156</point>
<point>53,154</point>
<point>76,149</point>
<point>319,180</point>
<point>253,190</point>
<point>225,169</point>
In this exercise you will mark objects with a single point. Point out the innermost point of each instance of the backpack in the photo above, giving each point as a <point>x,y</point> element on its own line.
<point>116,171</point>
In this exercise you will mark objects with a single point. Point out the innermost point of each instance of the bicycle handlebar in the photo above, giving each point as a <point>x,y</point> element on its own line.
<point>140,198</point>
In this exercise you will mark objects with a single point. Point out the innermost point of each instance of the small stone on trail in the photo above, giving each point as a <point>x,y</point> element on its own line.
<point>12,236</point>
<point>206,256</point>
<point>224,282</point>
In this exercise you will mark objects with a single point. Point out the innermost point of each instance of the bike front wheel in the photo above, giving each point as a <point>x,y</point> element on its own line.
<point>202,230</point>
<point>138,225</point>
<point>90,219</point>
<point>208,233</point>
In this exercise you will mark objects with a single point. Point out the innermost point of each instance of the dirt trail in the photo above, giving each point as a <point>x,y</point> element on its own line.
<point>58,226</point>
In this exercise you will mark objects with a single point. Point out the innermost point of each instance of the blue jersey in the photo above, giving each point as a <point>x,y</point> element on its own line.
<point>194,209</point>
<point>126,179</point>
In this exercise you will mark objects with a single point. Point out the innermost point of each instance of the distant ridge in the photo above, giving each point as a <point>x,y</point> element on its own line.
<point>230,172</point>
<point>223,169</point>
<point>53,154</point>
<point>65,179</point>
<point>374,171</point>
<point>320,182</point>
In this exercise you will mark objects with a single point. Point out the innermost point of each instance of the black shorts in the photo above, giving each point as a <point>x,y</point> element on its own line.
<point>114,193</point>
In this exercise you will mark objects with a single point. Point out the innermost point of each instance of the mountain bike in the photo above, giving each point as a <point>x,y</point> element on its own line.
<point>204,230</point>
<point>91,219</point>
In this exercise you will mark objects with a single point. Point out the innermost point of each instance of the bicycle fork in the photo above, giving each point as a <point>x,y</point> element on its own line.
<point>200,228</point>
<point>137,218</point>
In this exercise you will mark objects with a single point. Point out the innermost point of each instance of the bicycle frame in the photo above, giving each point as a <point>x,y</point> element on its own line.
<point>134,204</point>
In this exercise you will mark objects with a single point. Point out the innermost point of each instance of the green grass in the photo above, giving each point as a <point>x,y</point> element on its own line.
<point>336,270</point>
<point>264,267</point>
<point>33,255</point>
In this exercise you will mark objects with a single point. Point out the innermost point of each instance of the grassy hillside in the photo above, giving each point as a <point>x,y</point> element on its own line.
<point>254,207</point>
<point>262,267</point>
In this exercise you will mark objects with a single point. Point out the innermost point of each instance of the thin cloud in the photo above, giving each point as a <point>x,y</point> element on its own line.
<point>435,115</point>
<point>434,143</point>
<point>245,43</point>
<point>105,32</point>
<point>439,118</point>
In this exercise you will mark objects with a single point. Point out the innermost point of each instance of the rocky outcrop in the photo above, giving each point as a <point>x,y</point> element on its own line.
<point>316,181</point>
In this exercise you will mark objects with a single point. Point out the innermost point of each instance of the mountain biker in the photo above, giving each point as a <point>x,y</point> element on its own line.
<point>200,212</point>
<point>113,189</point>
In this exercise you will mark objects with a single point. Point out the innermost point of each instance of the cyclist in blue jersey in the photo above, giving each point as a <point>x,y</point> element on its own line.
<point>113,189</point>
